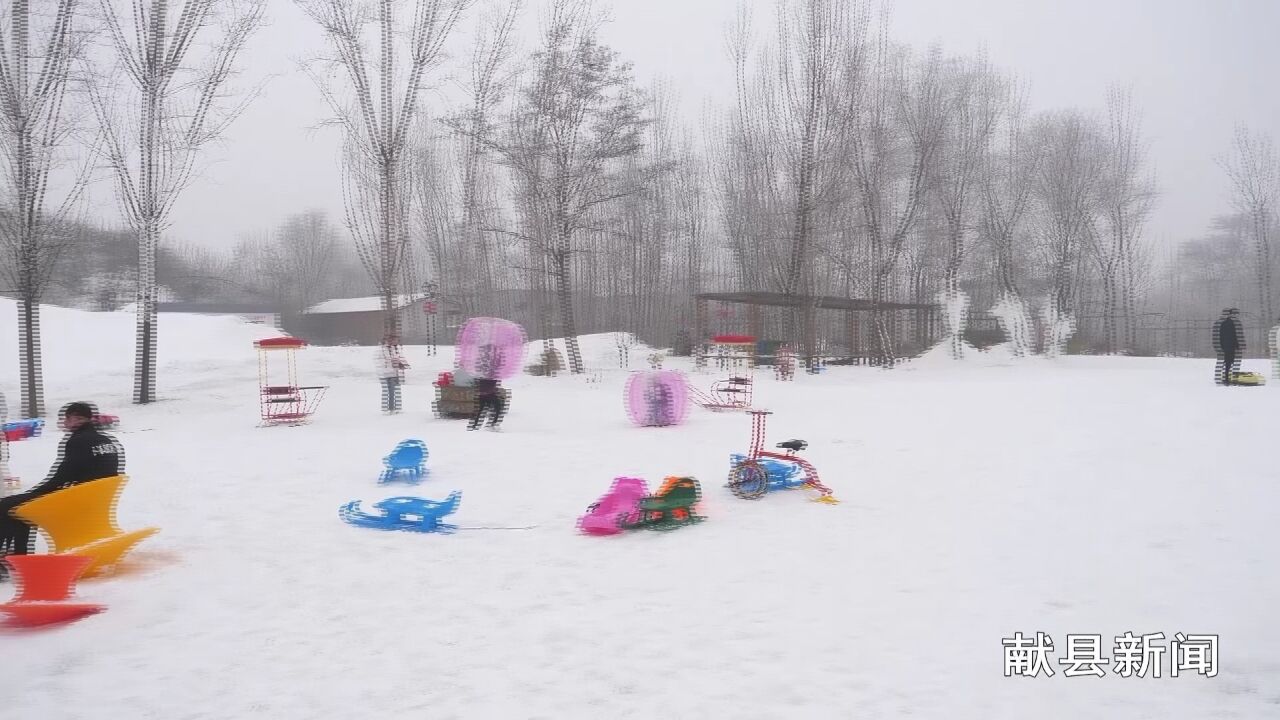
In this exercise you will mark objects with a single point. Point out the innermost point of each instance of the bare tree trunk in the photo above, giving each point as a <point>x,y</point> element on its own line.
<point>32,128</point>
<point>144,369</point>
<point>167,136</point>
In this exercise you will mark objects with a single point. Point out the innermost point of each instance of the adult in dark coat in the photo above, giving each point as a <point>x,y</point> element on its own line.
<point>489,400</point>
<point>1228,341</point>
<point>86,454</point>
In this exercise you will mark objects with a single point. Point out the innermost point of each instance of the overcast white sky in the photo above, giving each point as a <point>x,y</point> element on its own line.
<point>1196,67</point>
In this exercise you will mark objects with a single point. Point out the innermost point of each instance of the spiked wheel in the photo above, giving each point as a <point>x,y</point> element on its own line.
<point>749,480</point>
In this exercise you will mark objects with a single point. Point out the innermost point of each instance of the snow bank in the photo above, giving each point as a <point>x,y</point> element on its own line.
<point>92,351</point>
<point>600,351</point>
<point>940,356</point>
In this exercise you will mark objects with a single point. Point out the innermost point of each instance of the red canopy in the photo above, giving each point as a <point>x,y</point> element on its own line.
<point>279,343</point>
<point>738,339</point>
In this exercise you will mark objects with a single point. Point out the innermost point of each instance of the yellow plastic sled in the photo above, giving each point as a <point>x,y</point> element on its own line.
<point>1248,378</point>
<point>81,520</point>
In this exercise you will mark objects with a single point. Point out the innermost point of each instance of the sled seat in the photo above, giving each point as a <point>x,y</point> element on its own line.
<point>81,520</point>
<point>45,584</point>
<point>409,458</point>
<point>675,493</point>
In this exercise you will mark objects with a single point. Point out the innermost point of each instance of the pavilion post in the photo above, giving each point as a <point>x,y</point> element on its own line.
<point>810,341</point>
<point>851,325</point>
<point>754,330</point>
<point>699,333</point>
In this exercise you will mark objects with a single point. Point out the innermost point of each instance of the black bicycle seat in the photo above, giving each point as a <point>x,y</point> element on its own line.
<point>793,445</point>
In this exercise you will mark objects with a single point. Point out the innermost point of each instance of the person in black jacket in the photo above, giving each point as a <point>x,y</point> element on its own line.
<point>86,454</point>
<point>489,400</point>
<point>1228,341</point>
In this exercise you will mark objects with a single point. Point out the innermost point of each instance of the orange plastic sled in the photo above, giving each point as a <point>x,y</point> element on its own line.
<point>45,582</point>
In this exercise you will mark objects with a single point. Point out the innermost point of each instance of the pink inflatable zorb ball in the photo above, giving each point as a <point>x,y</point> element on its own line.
<point>657,398</point>
<point>491,348</point>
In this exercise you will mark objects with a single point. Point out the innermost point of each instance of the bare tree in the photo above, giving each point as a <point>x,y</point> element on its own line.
<point>575,122</point>
<point>1068,189</point>
<point>972,108</point>
<point>176,115</point>
<point>1126,198</point>
<point>486,87</point>
<point>749,192</point>
<point>900,118</point>
<point>639,246</point>
<point>306,252</point>
<point>1254,170</point>
<point>1007,192</point>
<point>819,40</point>
<point>690,178</point>
<point>434,207</point>
<point>35,73</point>
<point>377,120</point>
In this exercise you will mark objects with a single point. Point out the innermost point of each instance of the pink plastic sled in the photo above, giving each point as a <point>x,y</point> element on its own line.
<point>618,505</point>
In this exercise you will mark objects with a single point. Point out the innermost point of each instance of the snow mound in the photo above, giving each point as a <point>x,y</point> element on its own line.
<point>940,354</point>
<point>79,345</point>
<point>599,351</point>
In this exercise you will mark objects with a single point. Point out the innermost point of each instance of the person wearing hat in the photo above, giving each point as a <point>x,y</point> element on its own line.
<point>1228,341</point>
<point>86,453</point>
<point>391,367</point>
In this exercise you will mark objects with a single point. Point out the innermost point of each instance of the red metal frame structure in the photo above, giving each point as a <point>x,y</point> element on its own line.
<point>735,392</point>
<point>287,404</point>
<point>726,349</point>
<point>749,479</point>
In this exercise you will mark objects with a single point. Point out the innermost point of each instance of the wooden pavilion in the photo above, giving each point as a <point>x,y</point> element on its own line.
<point>924,315</point>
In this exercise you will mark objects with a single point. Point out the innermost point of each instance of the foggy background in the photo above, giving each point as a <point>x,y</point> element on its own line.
<point>1196,69</point>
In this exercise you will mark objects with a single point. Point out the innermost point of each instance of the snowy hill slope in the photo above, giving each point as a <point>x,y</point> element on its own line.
<point>90,353</point>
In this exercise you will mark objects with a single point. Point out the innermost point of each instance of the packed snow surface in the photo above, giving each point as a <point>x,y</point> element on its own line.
<point>1078,495</point>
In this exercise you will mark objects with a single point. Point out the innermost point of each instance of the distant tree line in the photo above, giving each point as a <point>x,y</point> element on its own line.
<point>847,165</point>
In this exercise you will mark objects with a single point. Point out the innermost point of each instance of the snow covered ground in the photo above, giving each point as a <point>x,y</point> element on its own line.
<point>1084,495</point>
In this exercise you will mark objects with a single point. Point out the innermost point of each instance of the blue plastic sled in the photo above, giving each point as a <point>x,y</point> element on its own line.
<point>407,462</point>
<point>405,513</point>
<point>22,429</point>
<point>782,475</point>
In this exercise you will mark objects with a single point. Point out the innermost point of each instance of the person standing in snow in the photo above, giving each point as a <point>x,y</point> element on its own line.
<point>1228,341</point>
<point>488,400</point>
<point>86,454</point>
<point>391,367</point>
